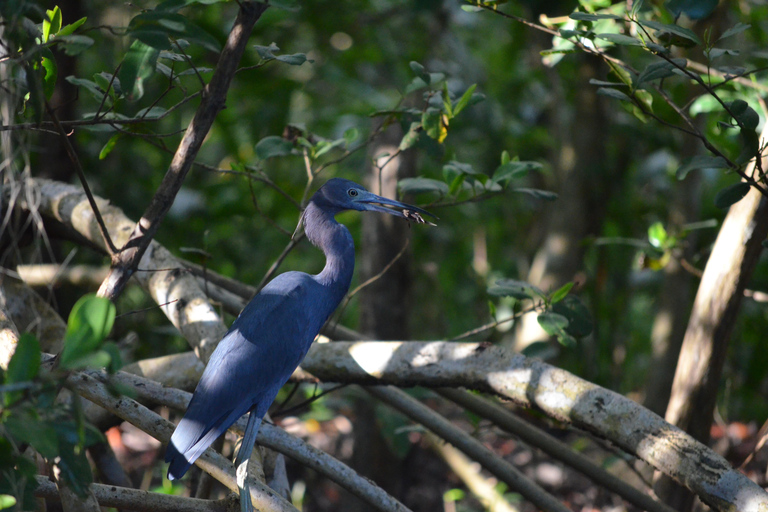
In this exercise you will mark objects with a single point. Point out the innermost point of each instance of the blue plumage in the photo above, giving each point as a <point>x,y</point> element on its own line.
<point>275,330</point>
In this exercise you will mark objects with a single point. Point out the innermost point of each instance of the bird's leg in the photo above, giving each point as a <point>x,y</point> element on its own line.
<point>244,457</point>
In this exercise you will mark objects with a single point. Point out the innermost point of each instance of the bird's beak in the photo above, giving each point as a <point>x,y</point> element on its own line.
<point>372,202</point>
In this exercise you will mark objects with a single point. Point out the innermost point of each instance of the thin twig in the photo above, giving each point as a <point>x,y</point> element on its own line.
<point>83,181</point>
<point>213,100</point>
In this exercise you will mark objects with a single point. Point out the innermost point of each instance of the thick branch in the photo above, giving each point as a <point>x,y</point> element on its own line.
<point>182,300</point>
<point>134,499</point>
<point>125,263</point>
<point>212,462</point>
<point>557,393</point>
<point>270,436</point>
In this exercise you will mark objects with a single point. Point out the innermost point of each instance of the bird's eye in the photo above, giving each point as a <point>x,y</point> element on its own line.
<point>352,192</point>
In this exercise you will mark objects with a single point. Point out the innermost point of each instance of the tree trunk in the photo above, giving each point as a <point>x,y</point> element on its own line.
<point>729,268</point>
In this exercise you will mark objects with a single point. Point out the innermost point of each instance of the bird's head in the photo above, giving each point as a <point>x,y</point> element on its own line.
<point>338,194</point>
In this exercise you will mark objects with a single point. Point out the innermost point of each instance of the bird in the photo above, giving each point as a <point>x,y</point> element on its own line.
<point>274,331</point>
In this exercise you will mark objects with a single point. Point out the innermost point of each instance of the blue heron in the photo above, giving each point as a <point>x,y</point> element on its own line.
<point>274,332</point>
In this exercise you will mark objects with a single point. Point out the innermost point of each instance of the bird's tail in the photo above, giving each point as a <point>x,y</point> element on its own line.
<point>187,443</point>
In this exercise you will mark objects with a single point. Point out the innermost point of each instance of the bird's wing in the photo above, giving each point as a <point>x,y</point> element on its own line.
<point>250,364</point>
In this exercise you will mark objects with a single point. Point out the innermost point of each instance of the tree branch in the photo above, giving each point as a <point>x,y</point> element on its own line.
<point>215,464</point>
<point>443,428</point>
<point>124,264</point>
<point>134,499</point>
<point>559,394</point>
<point>551,446</point>
<point>270,436</point>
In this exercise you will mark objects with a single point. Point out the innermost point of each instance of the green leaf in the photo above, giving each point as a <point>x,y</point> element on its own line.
<point>456,184</point>
<point>420,72</point>
<point>731,195</point>
<point>75,468</point>
<point>51,23</point>
<point>175,5</point>
<point>107,83</point>
<point>492,309</point>
<point>267,52</point>
<point>92,87</point>
<point>637,6</point>
<point>561,293</point>
<point>585,16</point>
<point>744,114</point>
<point>613,93</point>
<point>750,146</point>
<point>325,146</point>
<point>151,112</point>
<point>138,65</point>
<point>75,44</point>
<point>657,235</point>
<point>272,146</point>
<point>552,323</point>
<point>351,135</point>
<point>113,353</point>
<point>154,28</point>
<point>411,137</point>
<point>659,70</point>
<point>514,170</point>
<point>297,59</point>
<point>681,32</point>
<point>517,289</point>
<point>464,100</point>
<point>505,158</point>
<point>538,194</point>
<point>432,122</point>
<point>620,39</point>
<point>580,322</point>
<point>23,366</point>
<point>51,72</point>
<point>69,29</point>
<point>454,166</point>
<point>34,101</point>
<point>447,106</point>
<point>26,426</point>
<point>736,29</point>
<point>700,162</point>
<point>7,501</point>
<point>714,53</point>
<point>89,324</point>
<point>694,9</point>
<point>645,98</point>
<point>421,185</point>
<point>109,146</point>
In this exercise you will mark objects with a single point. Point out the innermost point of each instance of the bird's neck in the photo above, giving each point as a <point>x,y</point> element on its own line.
<point>336,243</point>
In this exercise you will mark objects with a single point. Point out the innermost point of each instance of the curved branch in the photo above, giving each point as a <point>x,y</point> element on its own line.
<point>557,393</point>
<point>502,469</point>
<point>551,446</point>
<point>211,462</point>
<point>271,437</point>
<point>184,303</point>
